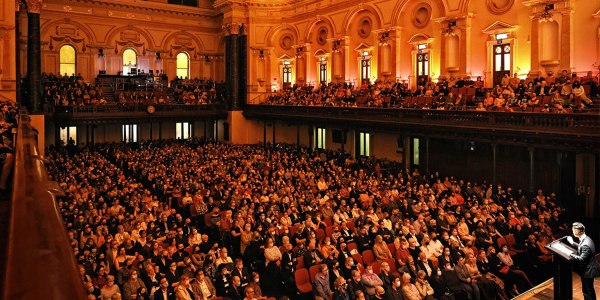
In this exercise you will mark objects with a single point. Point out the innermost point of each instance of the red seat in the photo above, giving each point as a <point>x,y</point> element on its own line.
<point>376,267</point>
<point>328,231</point>
<point>300,263</point>
<point>352,246</point>
<point>368,257</point>
<point>511,242</point>
<point>357,258</point>
<point>303,281</point>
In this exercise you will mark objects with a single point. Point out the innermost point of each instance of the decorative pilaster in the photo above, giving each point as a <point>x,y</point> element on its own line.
<point>34,69</point>
<point>565,40</point>
<point>535,46</point>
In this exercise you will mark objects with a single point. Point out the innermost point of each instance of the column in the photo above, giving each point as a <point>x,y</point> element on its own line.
<point>427,155</point>
<point>565,41</point>
<point>265,134</point>
<point>298,136</point>
<point>274,132</point>
<point>465,45</point>
<point>494,148</point>
<point>242,66</point>
<point>535,46</point>
<point>34,70</point>
<point>235,63</point>
<point>17,51</point>
<point>531,169</point>
<point>160,131</point>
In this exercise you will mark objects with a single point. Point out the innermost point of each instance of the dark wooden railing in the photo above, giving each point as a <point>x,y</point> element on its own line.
<point>133,111</point>
<point>579,123</point>
<point>40,263</point>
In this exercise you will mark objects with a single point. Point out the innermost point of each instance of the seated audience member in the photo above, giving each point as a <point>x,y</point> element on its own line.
<point>117,225</point>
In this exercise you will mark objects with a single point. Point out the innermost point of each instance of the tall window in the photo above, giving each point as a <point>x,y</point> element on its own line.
<point>365,68</point>
<point>287,72</point>
<point>422,66</point>
<point>415,151</point>
<point>130,133</point>
<point>183,130</point>
<point>323,70</point>
<point>501,61</point>
<point>129,62</point>
<point>364,144</point>
<point>183,65</point>
<point>67,60</point>
<point>68,133</point>
<point>320,138</point>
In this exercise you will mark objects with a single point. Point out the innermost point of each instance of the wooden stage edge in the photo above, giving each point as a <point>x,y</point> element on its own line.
<point>545,290</point>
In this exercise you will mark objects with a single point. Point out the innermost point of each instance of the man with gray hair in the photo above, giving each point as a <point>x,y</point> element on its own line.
<point>585,260</point>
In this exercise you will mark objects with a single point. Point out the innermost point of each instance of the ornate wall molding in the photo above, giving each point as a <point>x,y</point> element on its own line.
<point>34,6</point>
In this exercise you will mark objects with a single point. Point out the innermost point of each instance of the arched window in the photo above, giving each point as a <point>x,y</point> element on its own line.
<point>67,60</point>
<point>129,62</point>
<point>183,65</point>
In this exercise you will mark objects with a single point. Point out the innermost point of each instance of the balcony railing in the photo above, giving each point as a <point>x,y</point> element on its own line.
<point>579,124</point>
<point>133,111</point>
<point>40,263</point>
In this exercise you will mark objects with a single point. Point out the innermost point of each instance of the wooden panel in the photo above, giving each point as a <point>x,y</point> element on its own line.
<point>194,69</point>
<point>50,63</point>
<point>83,66</point>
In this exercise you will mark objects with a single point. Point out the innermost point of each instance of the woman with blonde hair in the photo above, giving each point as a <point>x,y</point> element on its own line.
<point>409,290</point>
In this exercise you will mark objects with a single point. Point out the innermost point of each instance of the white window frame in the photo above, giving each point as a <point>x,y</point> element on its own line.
<point>183,130</point>
<point>320,138</point>
<point>129,133</point>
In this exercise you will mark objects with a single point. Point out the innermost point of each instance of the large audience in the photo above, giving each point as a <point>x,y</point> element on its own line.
<point>73,90</point>
<point>199,220</point>
<point>558,94</point>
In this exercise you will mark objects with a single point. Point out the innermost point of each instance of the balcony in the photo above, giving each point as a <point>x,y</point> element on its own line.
<point>576,130</point>
<point>117,113</point>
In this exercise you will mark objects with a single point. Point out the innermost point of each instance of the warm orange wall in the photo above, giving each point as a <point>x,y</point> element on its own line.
<point>302,21</point>
<point>7,51</point>
<point>114,28</point>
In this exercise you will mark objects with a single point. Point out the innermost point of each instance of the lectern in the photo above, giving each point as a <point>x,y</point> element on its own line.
<point>563,273</point>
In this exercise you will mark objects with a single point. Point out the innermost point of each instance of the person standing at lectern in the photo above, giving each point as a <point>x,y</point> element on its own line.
<point>585,260</point>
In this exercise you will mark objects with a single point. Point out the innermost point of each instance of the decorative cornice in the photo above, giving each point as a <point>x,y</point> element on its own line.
<point>152,7</point>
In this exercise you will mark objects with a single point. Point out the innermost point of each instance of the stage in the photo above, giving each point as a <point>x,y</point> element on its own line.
<point>545,290</point>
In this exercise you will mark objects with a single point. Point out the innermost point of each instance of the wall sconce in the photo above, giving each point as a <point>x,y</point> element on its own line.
<point>546,16</point>
<point>449,31</point>
<point>261,54</point>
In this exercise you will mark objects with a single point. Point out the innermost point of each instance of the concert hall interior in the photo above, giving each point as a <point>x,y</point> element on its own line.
<point>298,149</point>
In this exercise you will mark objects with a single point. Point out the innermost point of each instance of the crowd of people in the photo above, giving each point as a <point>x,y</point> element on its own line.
<point>70,91</point>
<point>197,220</point>
<point>8,126</point>
<point>194,91</point>
<point>512,94</point>
<point>75,91</point>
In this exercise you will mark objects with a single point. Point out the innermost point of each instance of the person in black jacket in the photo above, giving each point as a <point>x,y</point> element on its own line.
<point>341,291</point>
<point>585,260</point>
<point>395,291</point>
<point>355,285</point>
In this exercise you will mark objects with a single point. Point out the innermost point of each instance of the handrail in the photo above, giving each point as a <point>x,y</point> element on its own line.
<point>559,123</point>
<point>40,263</point>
